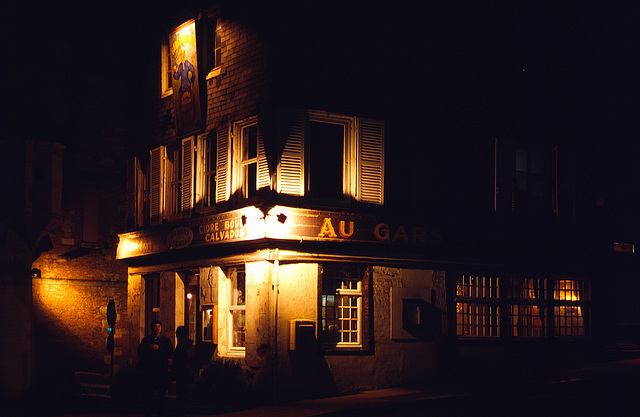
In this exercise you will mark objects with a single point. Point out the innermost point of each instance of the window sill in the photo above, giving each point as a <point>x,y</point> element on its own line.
<point>214,73</point>
<point>234,354</point>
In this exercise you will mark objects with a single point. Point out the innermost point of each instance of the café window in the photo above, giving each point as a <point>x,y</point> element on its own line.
<point>477,306</point>
<point>237,309</point>
<point>570,309</point>
<point>343,306</point>
<point>527,307</point>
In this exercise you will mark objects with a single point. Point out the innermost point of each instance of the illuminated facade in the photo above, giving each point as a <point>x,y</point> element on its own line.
<point>265,218</point>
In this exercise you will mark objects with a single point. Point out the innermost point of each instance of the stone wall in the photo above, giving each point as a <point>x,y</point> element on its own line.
<point>70,301</point>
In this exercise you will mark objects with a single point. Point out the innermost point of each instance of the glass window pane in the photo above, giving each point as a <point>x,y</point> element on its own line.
<point>238,328</point>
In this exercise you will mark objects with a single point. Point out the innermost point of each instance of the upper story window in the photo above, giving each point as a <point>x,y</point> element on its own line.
<point>174,181</point>
<point>166,83</point>
<point>248,158</point>
<point>248,170</point>
<point>328,161</point>
<point>214,47</point>
<point>208,166</point>
<point>171,181</point>
<point>331,157</point>
<point>532,180</point>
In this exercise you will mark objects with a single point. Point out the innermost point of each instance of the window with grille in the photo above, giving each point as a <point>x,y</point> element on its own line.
<point>341,305</point>
<point>527,308</point>
<point>477,309</point>
<point>569,312</point>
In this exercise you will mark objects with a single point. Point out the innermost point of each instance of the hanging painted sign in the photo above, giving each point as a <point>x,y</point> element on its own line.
<point>184,74</point>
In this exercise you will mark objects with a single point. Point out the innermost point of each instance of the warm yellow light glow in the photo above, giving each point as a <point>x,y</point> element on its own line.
<point>189,296</point>
<point>567,290</point>
<point>126,247</point>
<point>278,222</point>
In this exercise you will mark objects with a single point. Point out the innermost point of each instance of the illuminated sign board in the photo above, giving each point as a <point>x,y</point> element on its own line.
<point>280,222</point>
<point>184,75</point>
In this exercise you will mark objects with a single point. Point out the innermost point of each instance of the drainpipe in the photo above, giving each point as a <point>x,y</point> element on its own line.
<point>276,292</point>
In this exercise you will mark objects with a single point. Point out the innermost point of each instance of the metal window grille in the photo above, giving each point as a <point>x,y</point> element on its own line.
<point>341,305</point>
<point>569,310</point>
<point>527,309</point>
<point>477,309</point>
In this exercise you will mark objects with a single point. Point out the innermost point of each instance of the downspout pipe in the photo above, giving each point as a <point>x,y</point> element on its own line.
<point>276,292</point>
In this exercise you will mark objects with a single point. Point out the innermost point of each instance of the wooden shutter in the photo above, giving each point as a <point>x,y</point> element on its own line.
<point>263,166</point>
<point>222,168</point>
<point>371,161</point>
<point>291,167</point>
<point>156,184</point>
<point>187,175</point>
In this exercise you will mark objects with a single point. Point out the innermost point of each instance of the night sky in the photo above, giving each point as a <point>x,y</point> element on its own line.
<point>573,65</point>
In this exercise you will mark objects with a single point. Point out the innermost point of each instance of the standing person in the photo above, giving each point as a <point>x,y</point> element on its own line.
<point>182,368</point>
<point>153,361</point>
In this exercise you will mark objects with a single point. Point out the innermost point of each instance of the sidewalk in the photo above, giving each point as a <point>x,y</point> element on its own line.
<point>614,370</point>
<point>362,400</point>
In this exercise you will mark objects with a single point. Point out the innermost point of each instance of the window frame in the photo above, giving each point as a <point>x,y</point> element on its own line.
<point>361,275</point>
<point>207,170</point>
<point>551,311</point>
<point>173,184</point>
<point>214,49</point>
<point>520,297</point>
<point>234,308</point>
<point>242,166</point>
<point>474,304</point>
<point>579,322</point>
<point>349,155</point>
<point>166,83</point>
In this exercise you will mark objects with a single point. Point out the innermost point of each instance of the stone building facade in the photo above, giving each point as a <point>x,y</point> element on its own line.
<point>278,213</point>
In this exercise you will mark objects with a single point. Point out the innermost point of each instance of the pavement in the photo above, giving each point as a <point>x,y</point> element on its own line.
<point>434,395</point>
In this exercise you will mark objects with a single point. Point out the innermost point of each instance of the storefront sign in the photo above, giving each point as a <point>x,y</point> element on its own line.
<point>280,223</point>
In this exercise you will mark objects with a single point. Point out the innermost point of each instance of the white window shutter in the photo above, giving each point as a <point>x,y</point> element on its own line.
<point>263,166</point>
<point>156,184</point>
<point>371,161</point>
<point>222,169</point>
<point>187,175</point>
<point>291,166</point>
